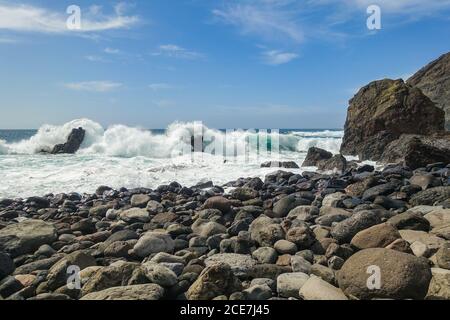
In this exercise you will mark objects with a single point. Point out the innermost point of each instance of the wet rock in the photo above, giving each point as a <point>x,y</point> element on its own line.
<point>316,155</point>
<point>74,141</point>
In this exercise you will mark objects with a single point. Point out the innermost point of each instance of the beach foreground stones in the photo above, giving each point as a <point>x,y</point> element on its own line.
<point>402,276</point>
<point>384,238</point>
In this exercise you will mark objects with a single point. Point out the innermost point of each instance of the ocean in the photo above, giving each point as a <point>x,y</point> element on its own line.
<point>123,156</point>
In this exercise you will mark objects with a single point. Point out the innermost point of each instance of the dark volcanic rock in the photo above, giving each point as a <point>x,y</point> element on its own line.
<point>434,81</point>
<point>280,164</point>
<point>73,143</point>
<point>418,151</point>
<point>384,110</point>
<point>6,265</point>
<point>315,155</point>
<point>345,230</point>
<point>431,196</point>
<point>338,163</point>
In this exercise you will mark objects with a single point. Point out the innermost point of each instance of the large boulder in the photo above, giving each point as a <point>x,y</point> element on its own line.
<point>434,81</point>
<point>26,237</point>
<point>415,151</point>
<point>403,276</point>
<point>73,143</point>
<point>384,110</point>
<point>315,156</point>
<point>141,292</point>
<point>337,163</point>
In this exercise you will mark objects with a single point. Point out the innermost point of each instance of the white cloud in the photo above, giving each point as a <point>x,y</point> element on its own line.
<point>174,51</point>
<point>28,18</point>
<point>93,86</point>
<point>270,19</point>
<point>160,86</point>
<point>277,57</point>
<point>112,51</point>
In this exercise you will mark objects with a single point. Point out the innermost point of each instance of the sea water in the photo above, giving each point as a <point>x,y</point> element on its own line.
<point>123,156</point>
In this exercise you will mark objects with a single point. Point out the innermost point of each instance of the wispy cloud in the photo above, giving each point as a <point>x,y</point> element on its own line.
<point>277,57</point>
<point>175,51</point>
<point>111,51</point>
<point>93,86</point>
<point>269,19</point>
<point>160,86</point>
<point>28,18</point>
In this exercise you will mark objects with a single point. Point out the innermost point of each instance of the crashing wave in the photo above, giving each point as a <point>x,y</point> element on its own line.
<point>128,142</point>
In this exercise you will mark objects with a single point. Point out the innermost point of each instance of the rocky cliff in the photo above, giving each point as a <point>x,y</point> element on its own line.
<point>434,81</point>
<point>384,110</point>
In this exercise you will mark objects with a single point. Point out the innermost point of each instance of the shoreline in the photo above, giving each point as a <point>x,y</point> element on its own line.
<point>290,236</point>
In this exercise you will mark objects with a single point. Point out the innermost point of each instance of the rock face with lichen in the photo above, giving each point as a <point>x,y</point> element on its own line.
<point>434,81</point>
<point>384,110</point>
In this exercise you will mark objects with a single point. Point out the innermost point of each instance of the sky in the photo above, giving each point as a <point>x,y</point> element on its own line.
<point>231,64</point>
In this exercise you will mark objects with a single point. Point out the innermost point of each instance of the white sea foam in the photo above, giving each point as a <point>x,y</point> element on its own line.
<point>122,156</point>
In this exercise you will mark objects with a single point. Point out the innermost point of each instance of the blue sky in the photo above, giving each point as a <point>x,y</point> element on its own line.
<point>230,64</point>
